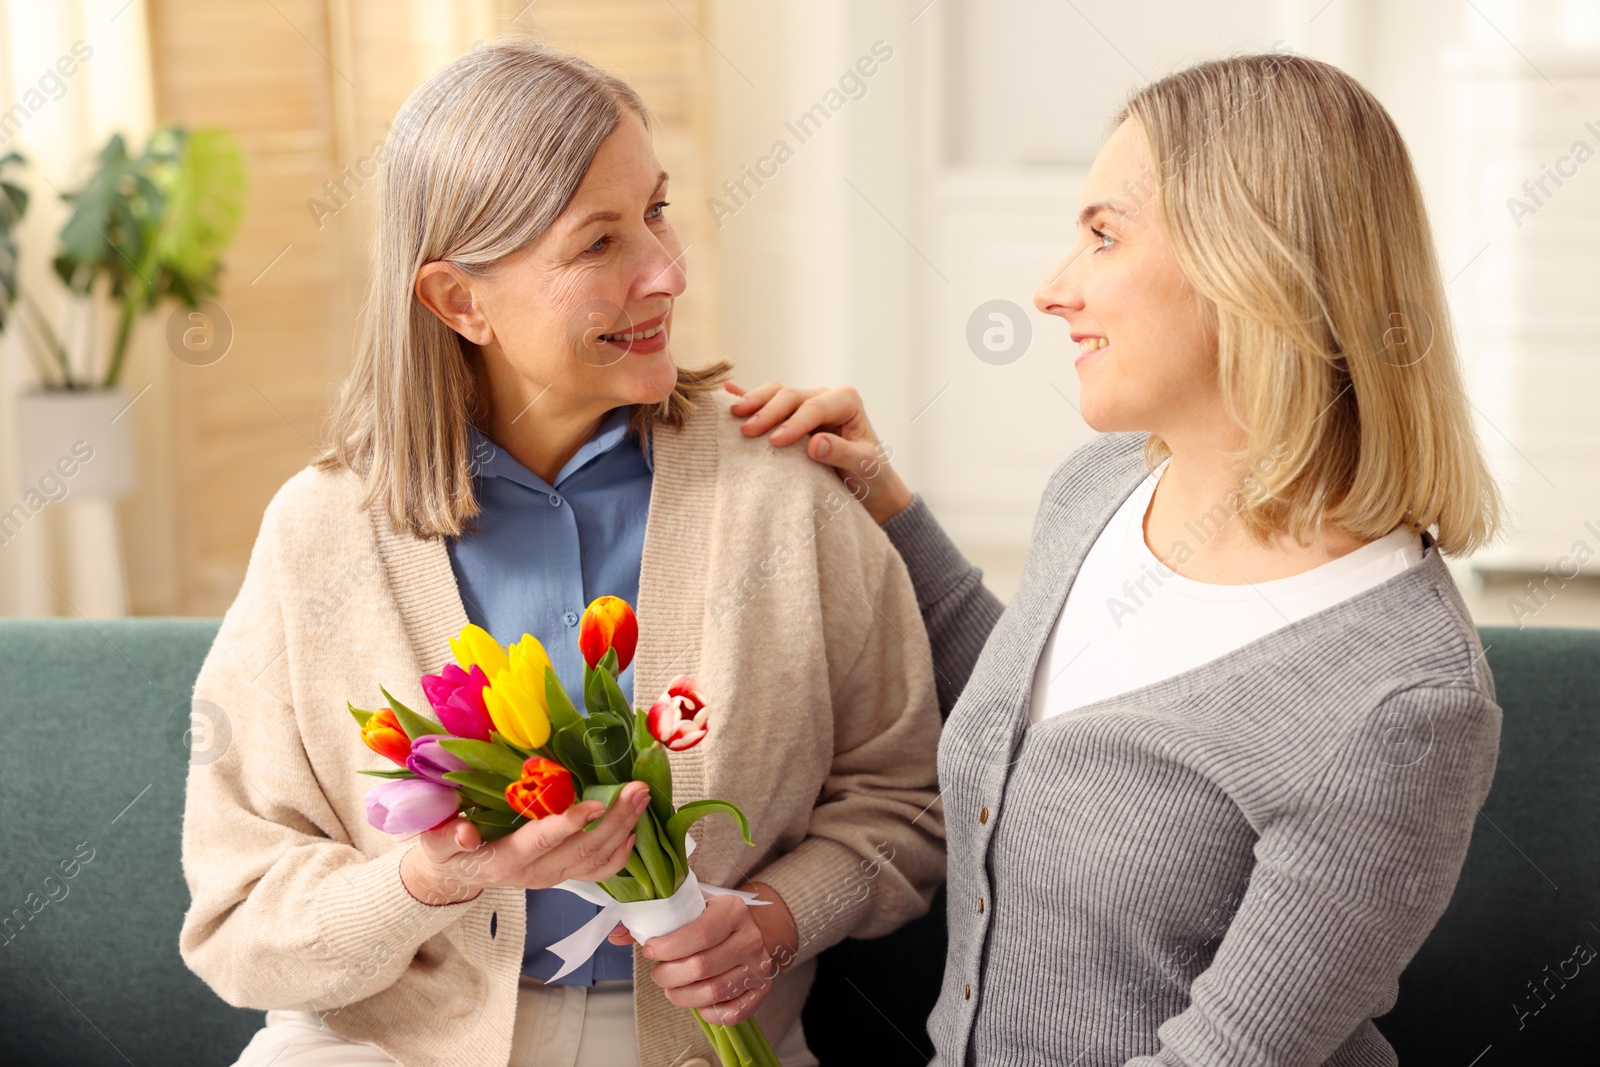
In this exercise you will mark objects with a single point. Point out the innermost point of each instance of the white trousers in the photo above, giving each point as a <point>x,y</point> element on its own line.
<point>556,1026</point>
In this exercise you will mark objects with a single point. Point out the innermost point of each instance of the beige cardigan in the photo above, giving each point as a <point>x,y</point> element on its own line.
<point>760,575</point>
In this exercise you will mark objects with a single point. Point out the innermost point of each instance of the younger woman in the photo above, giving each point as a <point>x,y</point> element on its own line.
<point>1210,777</point>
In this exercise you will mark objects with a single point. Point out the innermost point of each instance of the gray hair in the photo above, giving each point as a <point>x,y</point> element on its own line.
<point>480,160</point>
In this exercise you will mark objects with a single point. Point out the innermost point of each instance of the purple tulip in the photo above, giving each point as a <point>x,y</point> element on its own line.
<point>457,698</point>
<point>430,759</point>
<point>410,805</point>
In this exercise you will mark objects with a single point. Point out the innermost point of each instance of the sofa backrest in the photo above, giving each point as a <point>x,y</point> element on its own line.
<point>1512,971</point>
<point>92,765</point>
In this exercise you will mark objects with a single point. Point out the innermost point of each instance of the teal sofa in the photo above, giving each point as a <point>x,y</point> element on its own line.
<point>92,762</point>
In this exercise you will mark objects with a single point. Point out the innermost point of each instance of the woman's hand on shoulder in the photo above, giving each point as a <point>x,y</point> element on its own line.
<point>452,863</point>
<point>840,437</point>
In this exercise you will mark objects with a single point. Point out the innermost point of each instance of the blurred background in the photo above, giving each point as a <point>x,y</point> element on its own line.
<point>869,191</point>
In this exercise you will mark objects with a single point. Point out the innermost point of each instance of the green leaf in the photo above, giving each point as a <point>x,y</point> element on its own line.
<point>562,713</point>
<point>360,715</point>
<point>397,774</point>
<point>205,188</point>
<point>487,781</point>
<point>680,865</point>
<point>605,792</point>
<point>635,866</point>
<point>608,663</point>
<point>484,755</point>
<point>413,724</point>
<point>498,816</point>
<point>641,732</point>
<point>13,206</point>
<point>594,693</point>
<point>485,800</point>
<point>693,812</point>
<point>616,703</point>
<point>111,223</point>
<point>653,768</point>
<point>572,752</point>
<point>625,889</point>
<point>610,747</point>
<point>517,750</point>
<point>493,825</point>
<point>647,841</point>
<point>482,787</point>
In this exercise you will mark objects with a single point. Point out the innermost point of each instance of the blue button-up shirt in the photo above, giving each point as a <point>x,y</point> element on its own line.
<point>538,554</point>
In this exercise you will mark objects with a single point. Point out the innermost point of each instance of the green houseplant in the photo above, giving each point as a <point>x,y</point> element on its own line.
<point>13,206</point>
<point>144,229</point>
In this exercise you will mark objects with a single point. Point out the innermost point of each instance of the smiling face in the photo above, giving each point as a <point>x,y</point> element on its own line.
<point>1145,354</point>
<point>579,320</point>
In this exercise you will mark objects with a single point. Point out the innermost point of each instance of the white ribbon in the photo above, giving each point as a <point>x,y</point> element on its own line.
<point>643,918</point>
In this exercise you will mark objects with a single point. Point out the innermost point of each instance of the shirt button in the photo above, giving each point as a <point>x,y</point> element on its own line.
<point>983,816</point>
<point>570,618</point>
<point>555,501</point>
<point>969,993</point>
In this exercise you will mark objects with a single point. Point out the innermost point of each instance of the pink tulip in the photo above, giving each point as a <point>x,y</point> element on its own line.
<point>457,698</point>
<point>679,719</point>
<point>410,805</point>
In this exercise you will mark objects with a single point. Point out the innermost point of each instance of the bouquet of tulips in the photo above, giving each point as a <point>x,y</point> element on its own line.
<point>509,746</point>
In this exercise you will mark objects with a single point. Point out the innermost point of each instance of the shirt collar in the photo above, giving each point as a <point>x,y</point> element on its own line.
<point>492,461</point>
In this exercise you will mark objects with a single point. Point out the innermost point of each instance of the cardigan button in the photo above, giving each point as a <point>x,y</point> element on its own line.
<point>980,905</point>
<point>696,1062</point>
<point>983,816</point>
<point>969,992</point>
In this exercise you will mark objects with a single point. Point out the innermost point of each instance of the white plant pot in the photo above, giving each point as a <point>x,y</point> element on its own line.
<point>75,458</point>
<point>81,438</point>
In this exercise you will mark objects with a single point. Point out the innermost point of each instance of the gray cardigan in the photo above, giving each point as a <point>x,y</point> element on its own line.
<point>1230,867</point>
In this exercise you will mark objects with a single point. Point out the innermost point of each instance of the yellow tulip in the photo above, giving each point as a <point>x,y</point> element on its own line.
<point>476,647</point>
<point>515,698</point>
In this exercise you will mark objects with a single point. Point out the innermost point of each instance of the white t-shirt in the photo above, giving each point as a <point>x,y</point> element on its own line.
<point>1130,621</point>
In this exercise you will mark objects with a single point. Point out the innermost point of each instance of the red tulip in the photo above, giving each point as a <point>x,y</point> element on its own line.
<point>383,735</point>
<point>545,788</point>
<point>679,719</point>
<point>608,623</point>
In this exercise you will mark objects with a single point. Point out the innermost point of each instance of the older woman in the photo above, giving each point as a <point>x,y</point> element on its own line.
<point>1210,777</point>
<point>514,440</point>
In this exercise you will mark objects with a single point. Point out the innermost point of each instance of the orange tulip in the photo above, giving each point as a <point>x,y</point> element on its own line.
<point>545,788</point>
<point>608,623</point>
<point>383,735</point>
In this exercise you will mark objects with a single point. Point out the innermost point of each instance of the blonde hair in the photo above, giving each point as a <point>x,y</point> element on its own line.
<point>480,161</point>
<point>1290,202</point>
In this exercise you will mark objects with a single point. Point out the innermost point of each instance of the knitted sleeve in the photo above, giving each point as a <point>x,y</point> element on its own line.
<point>957,609</point>
<point>285,912</point>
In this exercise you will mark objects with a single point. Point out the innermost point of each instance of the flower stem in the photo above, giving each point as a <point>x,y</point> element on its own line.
<point>756,1038</point>
<point>736,1039</point>
<point>718,1036</point>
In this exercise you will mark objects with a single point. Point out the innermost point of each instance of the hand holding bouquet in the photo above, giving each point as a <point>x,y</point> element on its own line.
<point>510,748</point>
